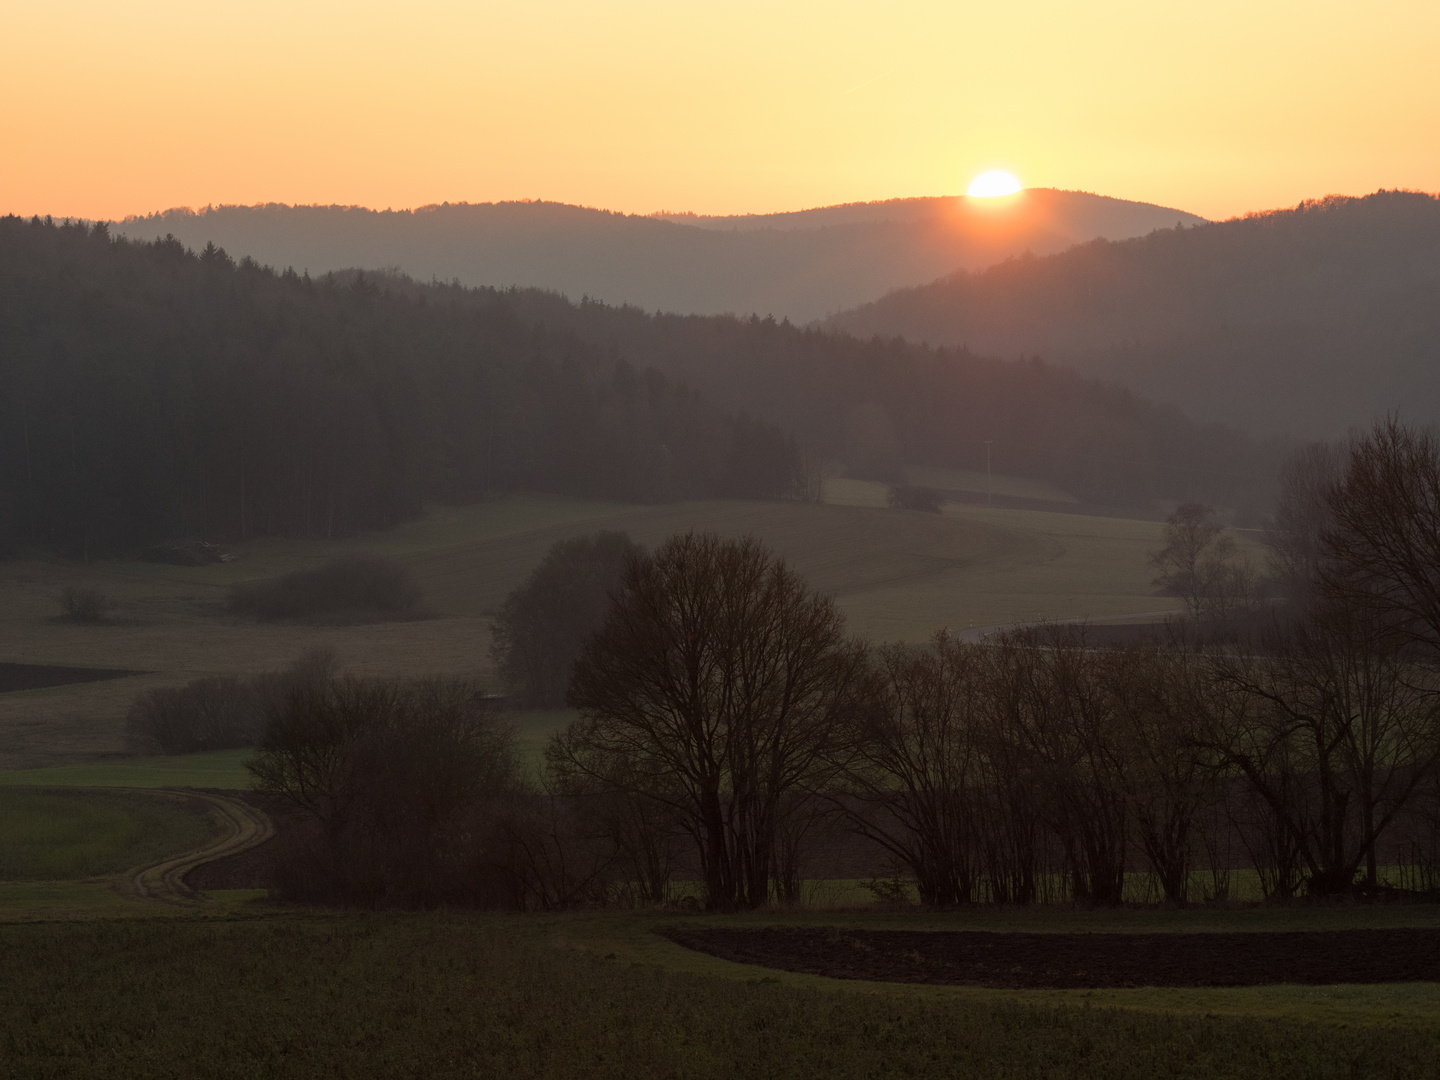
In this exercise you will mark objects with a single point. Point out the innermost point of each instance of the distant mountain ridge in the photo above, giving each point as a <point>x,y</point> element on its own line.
<point>1303,321</point>
<point>802,265</point>
<point>1081,215</point>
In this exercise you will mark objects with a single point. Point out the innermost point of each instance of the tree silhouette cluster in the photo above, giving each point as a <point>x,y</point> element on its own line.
<point>725,714</point>
<point>729,728</point>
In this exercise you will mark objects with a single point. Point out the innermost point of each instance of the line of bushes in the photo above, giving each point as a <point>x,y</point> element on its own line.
<point>220,712</point>
<point>355,588</point>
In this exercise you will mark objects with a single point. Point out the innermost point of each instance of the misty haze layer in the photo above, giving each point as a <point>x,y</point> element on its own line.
<point>1302,321</point>
<point>802,266</point>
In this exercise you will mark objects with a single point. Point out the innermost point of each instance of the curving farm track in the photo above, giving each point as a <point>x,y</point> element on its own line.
<point>164,881</point>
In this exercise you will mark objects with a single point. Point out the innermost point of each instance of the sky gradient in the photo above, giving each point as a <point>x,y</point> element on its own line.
<point>1219,108</point>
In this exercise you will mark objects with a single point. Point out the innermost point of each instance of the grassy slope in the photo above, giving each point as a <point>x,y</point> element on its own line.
<point>58,835</point>
<point>440,996</point>
<point>223,769</point>
<point>897,575</point>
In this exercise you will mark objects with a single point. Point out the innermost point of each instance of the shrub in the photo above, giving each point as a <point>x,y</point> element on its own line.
<point>407,789</point>
<point>908,497</point>
<point>84,605</point>
<point>354,588</point>
<point>220,712</point>
<point>215,713</point>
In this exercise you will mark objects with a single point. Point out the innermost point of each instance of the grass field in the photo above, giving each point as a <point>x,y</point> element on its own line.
<point>845,492</point>
<point>224,769</point>
<point>50,834</point>
<point>896,575</point>
<point>450,996</point>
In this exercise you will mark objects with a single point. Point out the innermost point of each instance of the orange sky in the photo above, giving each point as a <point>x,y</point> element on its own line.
<point>1221,107</point>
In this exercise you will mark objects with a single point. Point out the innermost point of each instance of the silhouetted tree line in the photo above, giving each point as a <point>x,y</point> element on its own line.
<point>147,392</point>
<point>729,724</point>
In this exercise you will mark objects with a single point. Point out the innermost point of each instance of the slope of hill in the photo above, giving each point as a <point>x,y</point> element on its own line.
<point>147,393</point>
<point>800,266</point>
<point>880,408</point>
<point>896,576</point>
<point>1305,321</point>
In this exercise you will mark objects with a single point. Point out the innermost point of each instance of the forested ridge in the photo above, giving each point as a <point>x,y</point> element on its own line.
<point>870,406</point>
<point>1306,320</point>
<point>149,393</point>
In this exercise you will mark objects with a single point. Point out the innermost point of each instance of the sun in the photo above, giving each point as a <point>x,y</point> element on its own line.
<point>992,184</point>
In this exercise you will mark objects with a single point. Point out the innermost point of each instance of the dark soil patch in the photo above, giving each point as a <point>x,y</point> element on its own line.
<point>982,958</point>
<point>40,676</point>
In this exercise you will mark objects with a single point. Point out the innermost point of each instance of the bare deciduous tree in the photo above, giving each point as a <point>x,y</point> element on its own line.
<point>1201,564</point>
<point>910,764</point>
<point>1333,727</point>
<point>1162,704</point>
<point>1382,549</point>
<point>716,682</point>
<point>406,785</point>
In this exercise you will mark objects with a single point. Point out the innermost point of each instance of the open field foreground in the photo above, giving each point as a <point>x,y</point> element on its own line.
<point>449,996</point>
<point>59,834</point>
<point>898,575</point>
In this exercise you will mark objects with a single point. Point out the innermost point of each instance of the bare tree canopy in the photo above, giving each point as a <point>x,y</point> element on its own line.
<point>405,785</point>
<point>715,688</point>
<point>1382,549</point>
<point>1201,564</point>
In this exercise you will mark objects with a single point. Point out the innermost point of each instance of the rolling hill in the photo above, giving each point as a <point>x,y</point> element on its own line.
<point>149,394</point>
<point>897,575</point>
<point>1302,321</point>
<point>800,266</point>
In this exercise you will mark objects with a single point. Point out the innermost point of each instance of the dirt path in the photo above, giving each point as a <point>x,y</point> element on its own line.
<point>245,827</point>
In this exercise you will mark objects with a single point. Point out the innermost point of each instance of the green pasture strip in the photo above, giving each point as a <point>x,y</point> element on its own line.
<point>224,769</point>
<point>237,896</point>
<point>439,996</point>
<point>59,834</point>
<point>72,901</point>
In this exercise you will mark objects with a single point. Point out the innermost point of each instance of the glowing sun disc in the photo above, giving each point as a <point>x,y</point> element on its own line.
<point>992,184</point>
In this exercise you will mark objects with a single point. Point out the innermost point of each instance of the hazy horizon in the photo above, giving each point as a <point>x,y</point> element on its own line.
<point>746,109</point>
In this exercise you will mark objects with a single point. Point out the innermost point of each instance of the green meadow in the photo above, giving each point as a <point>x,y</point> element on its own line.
<point>57,834</point>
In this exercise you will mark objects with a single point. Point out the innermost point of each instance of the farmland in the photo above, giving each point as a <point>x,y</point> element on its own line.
<point>450,995</point>
<point>897,576</point>
<point>100,983</point>
<point>57,834</point>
